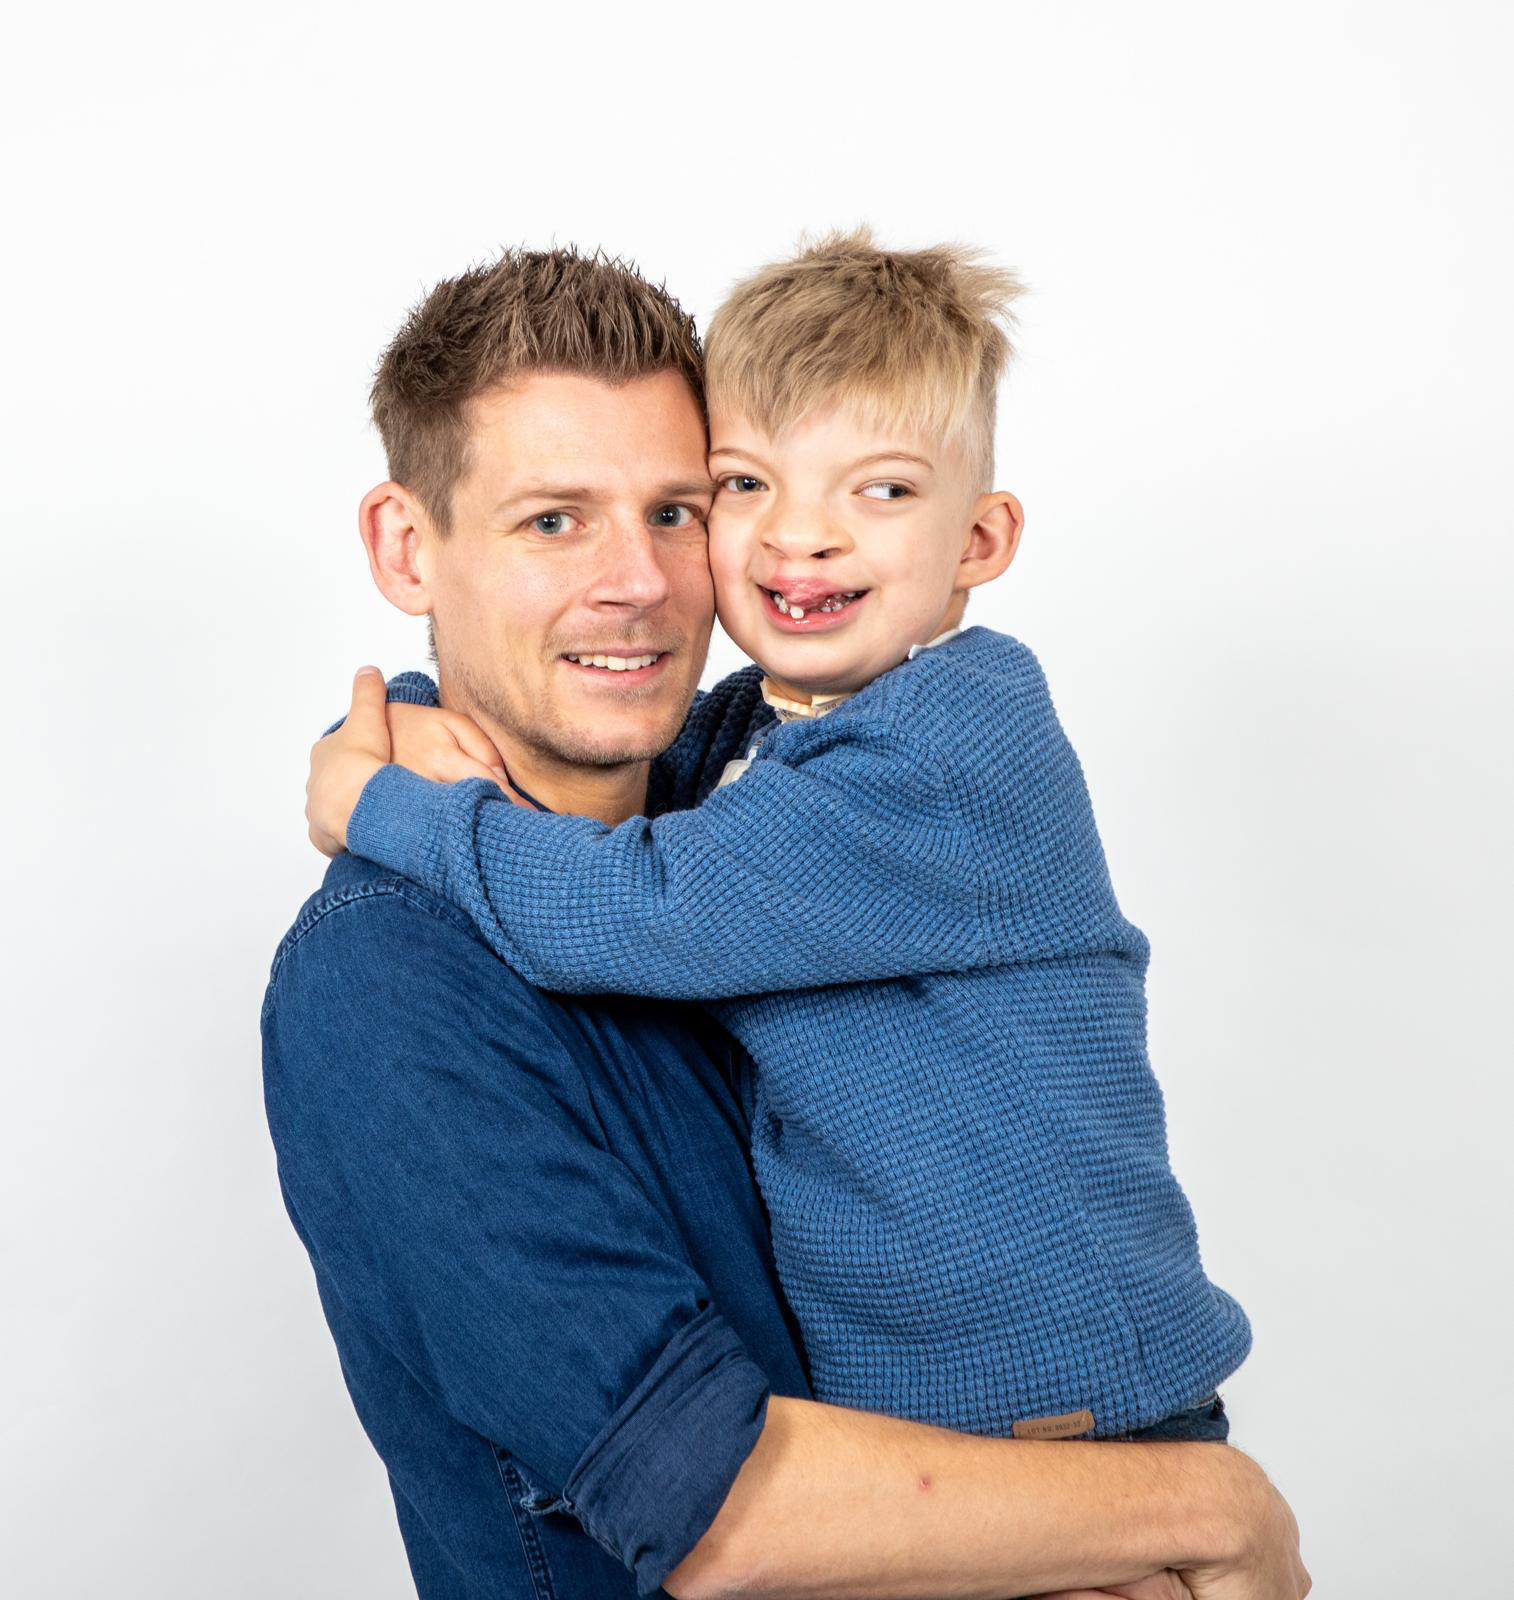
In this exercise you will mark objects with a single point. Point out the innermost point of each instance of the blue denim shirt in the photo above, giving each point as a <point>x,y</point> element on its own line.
<point>537,1243</point>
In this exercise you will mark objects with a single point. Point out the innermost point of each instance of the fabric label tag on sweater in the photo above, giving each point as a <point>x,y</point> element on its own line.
<point>1067,1426</point>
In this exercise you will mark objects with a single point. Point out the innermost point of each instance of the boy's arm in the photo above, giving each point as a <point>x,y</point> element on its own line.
<point>847,866</point>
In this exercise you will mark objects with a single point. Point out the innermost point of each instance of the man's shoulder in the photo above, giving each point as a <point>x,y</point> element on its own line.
<point>368,931</point>
<point>369,893</point>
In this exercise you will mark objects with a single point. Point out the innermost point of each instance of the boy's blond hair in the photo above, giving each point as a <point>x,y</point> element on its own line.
<point>906,338</point>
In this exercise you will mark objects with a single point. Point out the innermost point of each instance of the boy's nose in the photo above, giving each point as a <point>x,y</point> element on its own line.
<point>809,539</point>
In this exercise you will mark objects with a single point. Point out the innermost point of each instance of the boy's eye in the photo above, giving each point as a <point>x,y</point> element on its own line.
<point>673,516</point>
<point>885,491</point>
<point>740,483</point>
<point>551,522</point>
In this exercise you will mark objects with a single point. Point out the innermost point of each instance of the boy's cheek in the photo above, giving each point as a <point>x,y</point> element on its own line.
<point>727,549</point>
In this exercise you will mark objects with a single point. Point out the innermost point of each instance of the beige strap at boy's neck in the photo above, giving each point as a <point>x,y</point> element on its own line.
<point>788,710</point>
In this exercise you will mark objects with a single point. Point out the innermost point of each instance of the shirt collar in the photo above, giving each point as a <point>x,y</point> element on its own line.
<point>792,710</point>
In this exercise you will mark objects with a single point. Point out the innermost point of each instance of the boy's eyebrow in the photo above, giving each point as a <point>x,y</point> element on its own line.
<point>861,461</point>
<point>895,455</point>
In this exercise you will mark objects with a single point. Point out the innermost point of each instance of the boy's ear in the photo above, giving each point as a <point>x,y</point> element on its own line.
<point>394,529</point>
<point>998,520</point>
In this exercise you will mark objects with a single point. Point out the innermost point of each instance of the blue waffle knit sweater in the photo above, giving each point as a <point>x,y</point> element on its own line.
<point>902,910</point>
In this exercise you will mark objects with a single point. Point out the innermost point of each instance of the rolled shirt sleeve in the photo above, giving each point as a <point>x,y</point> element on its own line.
<point>441,1159</point>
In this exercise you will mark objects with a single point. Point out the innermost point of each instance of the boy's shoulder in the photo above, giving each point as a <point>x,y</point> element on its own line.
<point>979,685</point>
<point>720,725</point>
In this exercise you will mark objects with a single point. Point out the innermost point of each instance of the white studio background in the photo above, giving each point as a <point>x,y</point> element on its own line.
<point>1260,424</point>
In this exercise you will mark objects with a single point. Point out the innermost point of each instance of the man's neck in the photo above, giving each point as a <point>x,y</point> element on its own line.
<point>608,794</point>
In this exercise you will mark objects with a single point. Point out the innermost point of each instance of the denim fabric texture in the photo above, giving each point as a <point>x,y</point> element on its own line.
<point>536,1240</point>
<point>1203,1423</point>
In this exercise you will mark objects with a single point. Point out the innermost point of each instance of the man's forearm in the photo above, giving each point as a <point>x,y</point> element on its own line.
<point>834,1502</point>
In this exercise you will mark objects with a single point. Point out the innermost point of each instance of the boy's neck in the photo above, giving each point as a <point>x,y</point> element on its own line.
<point>808,697</point>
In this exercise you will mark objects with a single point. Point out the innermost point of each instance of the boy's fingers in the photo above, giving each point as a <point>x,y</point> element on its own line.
<point>472,740</point>
<point>366,721</point>
<point>478,769</point>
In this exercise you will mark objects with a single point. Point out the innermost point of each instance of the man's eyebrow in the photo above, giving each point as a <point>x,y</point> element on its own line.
<point>687,486</point>
<point>546,491</point>
<point>581,492</point>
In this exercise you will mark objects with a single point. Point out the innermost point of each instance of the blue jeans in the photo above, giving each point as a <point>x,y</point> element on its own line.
<point>1205,1421</point>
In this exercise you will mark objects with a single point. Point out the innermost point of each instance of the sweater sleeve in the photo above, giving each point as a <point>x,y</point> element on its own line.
<point>844,864</point>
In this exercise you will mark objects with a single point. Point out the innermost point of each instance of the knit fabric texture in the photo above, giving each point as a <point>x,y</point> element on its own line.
<point>902,910</point>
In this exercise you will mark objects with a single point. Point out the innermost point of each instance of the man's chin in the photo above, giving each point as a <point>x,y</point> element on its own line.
<point>605,741</point>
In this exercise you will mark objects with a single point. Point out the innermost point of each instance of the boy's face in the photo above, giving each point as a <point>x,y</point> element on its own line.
<point>870,534</point>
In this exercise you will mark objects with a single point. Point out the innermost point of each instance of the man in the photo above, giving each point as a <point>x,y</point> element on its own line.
<point>532,1222</point>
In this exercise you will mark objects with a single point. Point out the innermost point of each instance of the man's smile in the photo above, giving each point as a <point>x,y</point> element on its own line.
<point>624,668</point>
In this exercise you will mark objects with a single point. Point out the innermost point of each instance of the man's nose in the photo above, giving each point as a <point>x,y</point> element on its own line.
<point>633,570</point>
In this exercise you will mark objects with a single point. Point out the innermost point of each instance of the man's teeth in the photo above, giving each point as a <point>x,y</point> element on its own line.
<point>615,663</point>
<point>831,603</point>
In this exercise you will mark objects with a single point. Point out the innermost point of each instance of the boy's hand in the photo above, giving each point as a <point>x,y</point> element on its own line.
<point>342,762</point>
<point>442,745</point>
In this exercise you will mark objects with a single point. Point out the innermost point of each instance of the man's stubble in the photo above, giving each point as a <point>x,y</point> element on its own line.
<point>546,733</point>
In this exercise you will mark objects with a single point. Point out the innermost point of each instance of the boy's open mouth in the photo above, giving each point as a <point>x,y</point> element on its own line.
<point>810,603</point>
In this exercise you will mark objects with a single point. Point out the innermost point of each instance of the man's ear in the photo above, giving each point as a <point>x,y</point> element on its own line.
<point>394,528</point>
<point>998,520</point>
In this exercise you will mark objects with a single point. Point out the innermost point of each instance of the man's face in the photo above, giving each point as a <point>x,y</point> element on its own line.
<point>578,532</point>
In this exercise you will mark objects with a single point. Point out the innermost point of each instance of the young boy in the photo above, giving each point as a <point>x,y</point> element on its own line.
<point>886,882</point>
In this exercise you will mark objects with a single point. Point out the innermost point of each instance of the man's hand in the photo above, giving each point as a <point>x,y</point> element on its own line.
<point>342,762</point>
<point>1159,1586</point>
<point>1269,1564</point>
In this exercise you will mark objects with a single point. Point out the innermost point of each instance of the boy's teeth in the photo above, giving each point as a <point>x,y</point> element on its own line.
<point>614,663</point>
<point>832,602</point>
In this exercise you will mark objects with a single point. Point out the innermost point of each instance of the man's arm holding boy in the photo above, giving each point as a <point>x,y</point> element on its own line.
<point>433,1246</point>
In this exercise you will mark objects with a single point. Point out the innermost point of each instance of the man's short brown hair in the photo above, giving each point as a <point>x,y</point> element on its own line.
<point>530,311</point>
<point>914,338</point>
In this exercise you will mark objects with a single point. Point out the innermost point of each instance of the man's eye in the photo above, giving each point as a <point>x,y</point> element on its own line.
<point>886,491</point>
<point>740,483</point>
<point>552,522</point>
<point>674,517</point>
